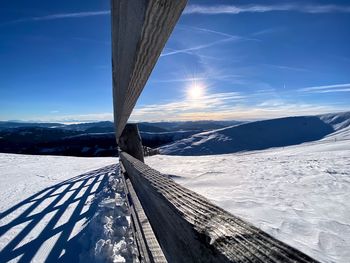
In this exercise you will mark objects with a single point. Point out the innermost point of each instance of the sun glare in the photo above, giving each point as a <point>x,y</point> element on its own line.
<point>195,90</point>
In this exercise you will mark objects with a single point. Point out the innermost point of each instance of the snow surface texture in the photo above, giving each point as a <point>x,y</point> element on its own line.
<point>298,194</point>
<point>56,208</point>
<point>260,135</point>
<point>109,237</point>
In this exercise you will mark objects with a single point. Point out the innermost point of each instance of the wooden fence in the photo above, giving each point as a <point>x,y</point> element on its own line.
<point>170,222</point>
<point>189,228</point>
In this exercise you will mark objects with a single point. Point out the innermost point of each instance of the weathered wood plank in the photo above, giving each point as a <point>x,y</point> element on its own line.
<point>140,29</point>
<point>147,244</point>
<point>191,229</point>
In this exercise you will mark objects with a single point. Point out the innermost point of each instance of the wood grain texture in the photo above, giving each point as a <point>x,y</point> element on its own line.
<point>191,229</point>
<point>140,29</point>
<point>147,244</point>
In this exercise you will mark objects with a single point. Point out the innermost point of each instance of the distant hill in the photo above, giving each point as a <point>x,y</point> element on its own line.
<point>89,139</point>
<point>4,125</point>
<point>89,144</point>
<point>108,126</point>
<point>260,135</point>
<point>92,127</point>
<point>23,139</point>
<point>149,127</point>
<point>156,139</point>
<point>192,125</point>
<point>176,138</point>
<point>57,141</point>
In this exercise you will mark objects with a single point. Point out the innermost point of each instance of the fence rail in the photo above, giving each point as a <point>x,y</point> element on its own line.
<point>140,30</point>
<point>147,245</point>
<point>191,229</point>
<point>171,223</point>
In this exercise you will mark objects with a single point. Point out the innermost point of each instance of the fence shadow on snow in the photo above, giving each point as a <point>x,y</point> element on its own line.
<point>68,202</point>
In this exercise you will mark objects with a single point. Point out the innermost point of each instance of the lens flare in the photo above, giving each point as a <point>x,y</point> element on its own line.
<point>195,91</point>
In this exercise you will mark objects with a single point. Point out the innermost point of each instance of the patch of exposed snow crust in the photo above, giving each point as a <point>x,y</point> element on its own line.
<point>298,194</point>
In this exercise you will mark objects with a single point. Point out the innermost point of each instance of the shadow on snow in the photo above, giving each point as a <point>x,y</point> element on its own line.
<point>77,191</point>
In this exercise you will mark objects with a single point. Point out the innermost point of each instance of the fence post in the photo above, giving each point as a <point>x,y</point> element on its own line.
<point>130,141</point>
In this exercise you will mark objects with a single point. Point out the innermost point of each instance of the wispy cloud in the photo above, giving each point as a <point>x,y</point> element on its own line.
<point>205,10</point>
<point>233,112</point>
<point>192,79</point>
<point>327,89</point>
<point>185,27</point>
<point>272,103</point>
<point>237,9</point>
<point>217,106</point>
<point>191,50</point>
<point>60,16</point>
<point>174,110</point>
<point>267,31</point>
<point>259,112</point>
<point>215,32</point>
<point>226,106</point>
<point>199,47</point>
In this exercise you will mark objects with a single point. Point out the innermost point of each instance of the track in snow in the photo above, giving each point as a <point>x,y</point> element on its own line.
<point>65,221</point>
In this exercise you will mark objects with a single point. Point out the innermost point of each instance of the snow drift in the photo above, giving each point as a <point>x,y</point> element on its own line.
<point>260,135</point>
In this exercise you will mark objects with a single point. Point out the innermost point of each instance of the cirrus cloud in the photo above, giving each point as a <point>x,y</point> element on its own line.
<point>238,9</point>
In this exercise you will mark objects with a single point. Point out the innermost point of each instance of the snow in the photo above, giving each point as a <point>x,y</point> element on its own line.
<point>260,135</point>
<point>73,209</point>
<point>337,120</point>
<point>298,194</point>
<point>62,208</point>
<point>109,237</point>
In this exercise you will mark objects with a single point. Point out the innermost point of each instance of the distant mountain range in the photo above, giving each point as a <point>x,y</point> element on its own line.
<point>91,139</point>
<point>173,138</point>
<point>191,125</point>
<point>108,126</point>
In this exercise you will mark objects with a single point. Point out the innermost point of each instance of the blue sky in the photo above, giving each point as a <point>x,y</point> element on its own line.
<point>247,59</point>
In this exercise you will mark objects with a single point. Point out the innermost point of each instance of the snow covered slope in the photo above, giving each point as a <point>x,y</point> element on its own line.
<point>156,139</point>
<point>299,194</point>
<point>59,209</point>
<point>260,135</point>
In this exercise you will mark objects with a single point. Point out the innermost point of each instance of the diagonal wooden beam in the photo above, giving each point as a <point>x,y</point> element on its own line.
<point>140,29</point>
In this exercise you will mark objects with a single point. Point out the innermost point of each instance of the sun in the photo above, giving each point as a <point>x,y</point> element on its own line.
<point>195,90</point>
